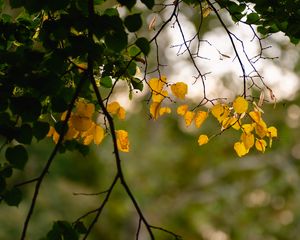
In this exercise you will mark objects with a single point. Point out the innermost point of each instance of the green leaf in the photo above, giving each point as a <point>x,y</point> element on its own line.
<point>59,104</point>
<point>62,230</point>
<point>59,127</point>
<point>28,108</point>
<point>17,156</point>
<point>116,40</point>
<point>134,51</point>
<point>111,12</point>
<point>16,3</point>
<point>133,22</point>
<point>143,44</point>
<point>128,3</point>
<point>137,84</point>
<point>13,197</point>
<point>252,18</point>
<point>24,134</point>
<point>148,3</point>
<point>106,82</point>
<point>6,171</point>
<point>132,68</point>
<point>80,228</point>
<point>2,185</point>
<point>40,130</point>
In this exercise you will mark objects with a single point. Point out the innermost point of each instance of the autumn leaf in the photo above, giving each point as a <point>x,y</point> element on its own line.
<point>164,110</point>
<point>84,109</point>
<point>179,89</point>
<point>160,96</point>
<point>98,134</point>
<point>248,140</point>
<point>240,149</point>
<point>261,128</point>
<point>122,140</point>
<point>188,118</point>
<point>203,139</point>
<point>113,107</point>
<point>182,109</point>
<point>200,118</point>
<point>154,110</point>
<point>247,128</point>
<point>240,105</point>
<point>220,112</point>
<point>157,84</point>
<point>272,132</point>
<point>260,145</point>
<point>81,124</point>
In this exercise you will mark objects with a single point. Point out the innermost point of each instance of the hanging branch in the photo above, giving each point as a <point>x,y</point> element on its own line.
<point>233,45</point>
<point>111,127</point>
<point>46,168</point>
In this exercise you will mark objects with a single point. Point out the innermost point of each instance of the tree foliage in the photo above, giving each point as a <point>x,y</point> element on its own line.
<point>62,61</point>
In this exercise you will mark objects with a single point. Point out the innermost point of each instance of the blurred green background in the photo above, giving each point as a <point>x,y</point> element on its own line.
<point>197,192</point>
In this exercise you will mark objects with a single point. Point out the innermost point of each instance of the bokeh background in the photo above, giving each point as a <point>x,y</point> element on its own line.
<point>197,192</point>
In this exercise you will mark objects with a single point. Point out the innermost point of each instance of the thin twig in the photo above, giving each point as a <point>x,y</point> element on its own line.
<point>49,161</point>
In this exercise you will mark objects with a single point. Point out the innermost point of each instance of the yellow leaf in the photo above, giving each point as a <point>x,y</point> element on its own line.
<point>51,131</point>
<point>200,118</point>
<point>154,110</point>
<point>240,149</point>
<point>87,140</point>
<point>188,117</point>
<point>248,128</point>
<point>158,97</point>
<point>98,134</point>
<point>113,107</point>
<point>72,133</point>
<point>240,105</point>
<point>81,124</point>
<point>247,139</point>
<point>220,111</point>
<point>157,84</point>
<point>261,128</point>
<point>182,109</point>
<point>164,110</point>
<point>272,132</point>
<point>255,116</point>
<point>260,145</point>
<point>179,89</point>
<point>121,113</point>
<point>235,123</point>
<point>206,11</point>
<point>85,109</point>
<point>122,140</point>
<point>203,139</point>
<point>63,115</point>
<point>226,123</point>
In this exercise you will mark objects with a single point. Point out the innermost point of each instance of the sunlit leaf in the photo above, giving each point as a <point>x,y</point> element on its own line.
<point>220,111</point>
<point>203,139</point>
<point>260,145</point>
<point>189,117</point>
<point>272,132</point>
<point>179,89</point>
<point>248,140</point>
<point>200,117</point>
<point>122,140</point>
<point>240,149</point>
<point>182,109</point>
<point>113,107</point>
<point>240,105</point>
<point>98,134</point>
<point>261,129</point>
